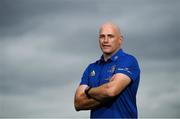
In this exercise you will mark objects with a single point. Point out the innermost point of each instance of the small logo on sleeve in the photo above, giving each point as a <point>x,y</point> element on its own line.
<point>124,69</point>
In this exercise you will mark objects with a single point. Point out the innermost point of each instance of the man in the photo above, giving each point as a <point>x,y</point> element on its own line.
<point>108,86</point>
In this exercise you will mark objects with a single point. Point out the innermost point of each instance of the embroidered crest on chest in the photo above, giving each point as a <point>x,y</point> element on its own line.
<point>112,69</point>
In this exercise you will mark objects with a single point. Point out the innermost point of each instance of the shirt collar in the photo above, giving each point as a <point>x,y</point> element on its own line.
<point>113,57</point>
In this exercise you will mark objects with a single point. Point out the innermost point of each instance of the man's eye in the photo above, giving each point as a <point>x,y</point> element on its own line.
<point>111,36</point>
<point>101,36</point>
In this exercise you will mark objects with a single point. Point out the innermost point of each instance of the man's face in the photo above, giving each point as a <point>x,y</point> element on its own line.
<point>109,39</point>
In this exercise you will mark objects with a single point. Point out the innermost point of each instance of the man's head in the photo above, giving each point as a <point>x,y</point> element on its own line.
<point>110,38</point>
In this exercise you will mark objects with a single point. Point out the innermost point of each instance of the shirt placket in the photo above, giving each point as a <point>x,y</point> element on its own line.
<point>102,74</point>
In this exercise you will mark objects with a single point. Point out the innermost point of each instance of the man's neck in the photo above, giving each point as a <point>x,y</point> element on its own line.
<point>107,56</point>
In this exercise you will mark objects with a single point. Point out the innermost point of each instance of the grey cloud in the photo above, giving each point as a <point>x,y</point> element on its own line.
<point>26,15</point>
<point>162,91</point>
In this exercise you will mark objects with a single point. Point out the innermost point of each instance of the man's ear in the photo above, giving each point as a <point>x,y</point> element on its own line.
<point>121,37</point>
<point>121,40</point>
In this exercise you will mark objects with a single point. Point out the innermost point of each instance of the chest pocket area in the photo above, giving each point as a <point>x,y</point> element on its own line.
<point>110,72</point>
<point>93,78</point>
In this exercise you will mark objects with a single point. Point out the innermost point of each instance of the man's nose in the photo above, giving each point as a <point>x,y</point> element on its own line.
<point>106,39</point>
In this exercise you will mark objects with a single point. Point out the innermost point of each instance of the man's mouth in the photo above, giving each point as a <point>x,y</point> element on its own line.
<point>106,46</point>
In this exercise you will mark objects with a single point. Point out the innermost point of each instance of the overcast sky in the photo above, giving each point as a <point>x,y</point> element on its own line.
<point>45,45</point>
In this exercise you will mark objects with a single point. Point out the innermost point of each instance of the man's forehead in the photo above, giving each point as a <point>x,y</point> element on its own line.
<point>109,28</point>
<point>107,31</point>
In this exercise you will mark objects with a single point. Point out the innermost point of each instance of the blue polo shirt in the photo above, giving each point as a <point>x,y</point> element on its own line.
<point>101,71</point>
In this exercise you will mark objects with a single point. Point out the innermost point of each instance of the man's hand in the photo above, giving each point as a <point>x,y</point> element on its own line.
<point>82,102</point>
<point>102,93</point>
<point>111,89</point>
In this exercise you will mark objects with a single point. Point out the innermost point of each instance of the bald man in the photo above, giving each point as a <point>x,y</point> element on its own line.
<point>108,86</point>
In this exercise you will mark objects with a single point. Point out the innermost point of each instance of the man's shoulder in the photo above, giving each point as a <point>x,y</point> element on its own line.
<point>92,64</point>
<point>129,59</point>
<point>129,56</point>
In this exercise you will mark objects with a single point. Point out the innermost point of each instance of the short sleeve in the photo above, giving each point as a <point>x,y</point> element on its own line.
<point>85,76</point>
<point>130,68</point>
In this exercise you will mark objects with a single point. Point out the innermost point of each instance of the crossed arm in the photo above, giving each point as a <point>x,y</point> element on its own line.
<point>100,94</point>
